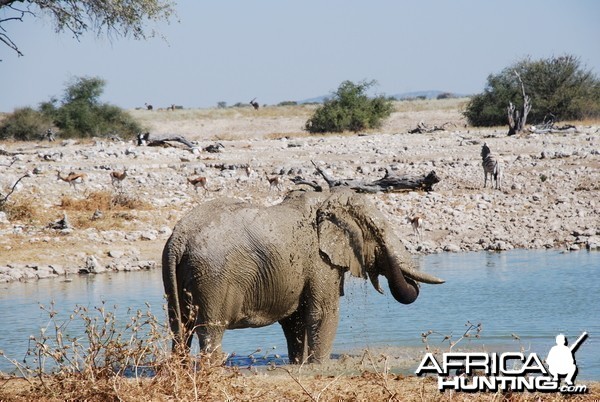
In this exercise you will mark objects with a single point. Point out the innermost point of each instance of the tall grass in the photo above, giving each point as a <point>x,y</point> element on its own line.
<point>93,356</point>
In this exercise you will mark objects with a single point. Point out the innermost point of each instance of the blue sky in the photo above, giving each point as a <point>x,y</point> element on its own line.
<point>274,50</point>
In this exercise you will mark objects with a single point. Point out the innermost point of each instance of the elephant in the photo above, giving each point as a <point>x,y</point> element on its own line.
<point>229,264</point>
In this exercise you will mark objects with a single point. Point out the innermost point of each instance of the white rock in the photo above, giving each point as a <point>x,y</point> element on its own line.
<point>92,265</point>
<point>116,253</point>
<point>453,248</point>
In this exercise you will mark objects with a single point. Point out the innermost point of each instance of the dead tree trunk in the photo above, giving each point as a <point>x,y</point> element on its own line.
<point>388,183</point>
<point>518,118</point>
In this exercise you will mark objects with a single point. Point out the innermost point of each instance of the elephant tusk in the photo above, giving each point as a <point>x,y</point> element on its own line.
<point>375,282</point>
<point>418,276</point>
<point>422,277</point>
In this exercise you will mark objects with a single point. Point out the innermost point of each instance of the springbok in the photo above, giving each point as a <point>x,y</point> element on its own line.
<point>118,177</point>
<point>72,178</point>
<point>198,182</point>
<point>416,221</point>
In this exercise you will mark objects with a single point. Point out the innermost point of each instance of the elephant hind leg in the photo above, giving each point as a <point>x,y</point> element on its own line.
<point>189,313</point>
<point>294,330</point>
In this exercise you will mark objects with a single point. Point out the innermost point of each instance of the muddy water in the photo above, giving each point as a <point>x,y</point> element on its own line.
<point>523,299</point>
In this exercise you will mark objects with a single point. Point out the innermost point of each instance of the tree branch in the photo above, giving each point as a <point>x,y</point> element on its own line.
<point>4,38</point>
<point>12,190</point>
<point>124,18</point>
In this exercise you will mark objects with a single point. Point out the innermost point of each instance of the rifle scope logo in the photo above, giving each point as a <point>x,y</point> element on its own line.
<point>511,371</point>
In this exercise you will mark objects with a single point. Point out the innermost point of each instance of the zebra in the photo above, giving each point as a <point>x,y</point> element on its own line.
<point>491,166</point>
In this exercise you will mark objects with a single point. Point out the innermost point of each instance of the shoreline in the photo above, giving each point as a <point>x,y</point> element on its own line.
<point>25,273</point>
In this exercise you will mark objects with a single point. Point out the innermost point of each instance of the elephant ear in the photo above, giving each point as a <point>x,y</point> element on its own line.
<point>341,243</point>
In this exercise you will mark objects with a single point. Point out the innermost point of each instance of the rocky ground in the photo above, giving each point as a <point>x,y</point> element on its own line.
<point>549,195</point>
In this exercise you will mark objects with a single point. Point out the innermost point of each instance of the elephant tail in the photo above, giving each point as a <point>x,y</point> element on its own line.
<point>170,260</point>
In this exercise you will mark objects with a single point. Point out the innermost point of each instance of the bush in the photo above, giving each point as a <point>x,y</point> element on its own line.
<point>446,95</point>
<point>80,119</point>
<point>24,124</point>
<point>350,109</point>
<point>287,103</point>
<point>559,87</point>
<point>80,114</point>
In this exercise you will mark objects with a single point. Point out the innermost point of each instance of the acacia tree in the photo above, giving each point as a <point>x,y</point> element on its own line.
<point>558,87</point>
<point>113,17</point>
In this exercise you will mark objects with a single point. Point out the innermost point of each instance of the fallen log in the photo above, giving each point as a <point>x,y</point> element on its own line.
<point>144,139</point>
<point>552,129</point>
<point>422,128</point>
<point>388,183</point>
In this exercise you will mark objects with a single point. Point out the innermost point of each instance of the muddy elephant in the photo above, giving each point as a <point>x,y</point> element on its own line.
<point>229,264</point>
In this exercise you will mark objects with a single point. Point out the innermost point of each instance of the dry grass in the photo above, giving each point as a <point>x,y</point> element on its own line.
<point>229,113</point>
<point>284,121</point>
<point>20,208</point>
<point>103,201</point>
<point>115,208</point>
<point>451,104</point>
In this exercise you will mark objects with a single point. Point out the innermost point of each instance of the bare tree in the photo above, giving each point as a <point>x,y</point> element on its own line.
<point>517,118</point>
<point>113,17</point>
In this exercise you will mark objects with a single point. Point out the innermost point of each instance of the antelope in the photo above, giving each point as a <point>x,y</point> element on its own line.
<point>118,177</point>
<point>72,178</point>
<point>254,104</point>
<point>416,221</point>
<point>198,182</point>
<point>274,181</point>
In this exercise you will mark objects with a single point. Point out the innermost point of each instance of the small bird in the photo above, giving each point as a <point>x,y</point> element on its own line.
<point>97,215</point>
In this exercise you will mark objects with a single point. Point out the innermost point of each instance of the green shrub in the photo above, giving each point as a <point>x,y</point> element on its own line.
<point>80,119</point>
<point>559,88</point>
<point>80,114</point>
<point>350,109</point>
<point>24,124</point>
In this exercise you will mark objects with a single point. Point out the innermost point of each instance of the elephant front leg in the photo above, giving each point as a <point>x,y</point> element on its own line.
<point>321,331</point>
<point>295,335</point>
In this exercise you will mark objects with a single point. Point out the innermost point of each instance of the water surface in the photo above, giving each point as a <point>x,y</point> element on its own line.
<point>534,295</point>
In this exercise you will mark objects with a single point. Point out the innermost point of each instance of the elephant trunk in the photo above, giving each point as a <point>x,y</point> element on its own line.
<point>404,289</point>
